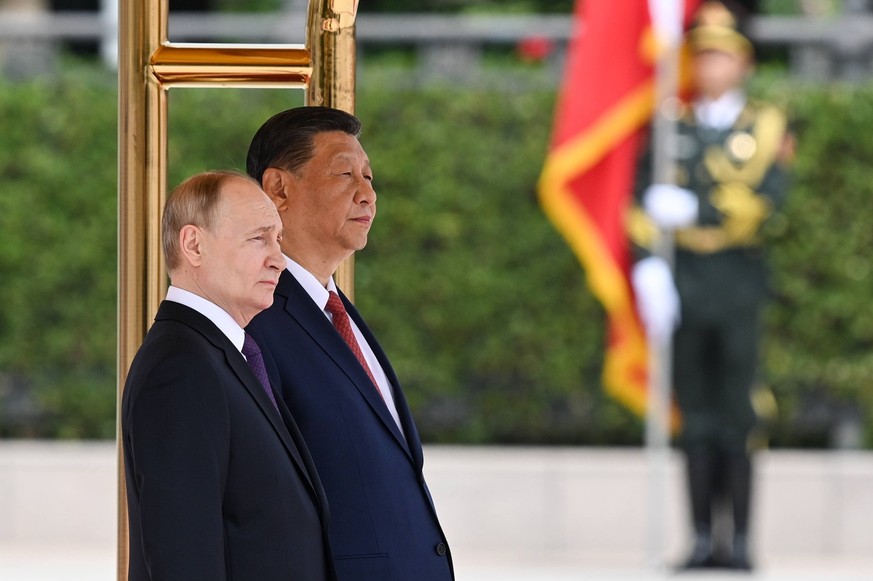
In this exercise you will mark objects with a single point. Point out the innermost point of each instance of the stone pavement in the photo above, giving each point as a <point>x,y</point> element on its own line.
<point>510,514</point>
<point>69,562</point>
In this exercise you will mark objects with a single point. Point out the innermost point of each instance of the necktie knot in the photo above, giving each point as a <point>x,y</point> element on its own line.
<point>250,348</point>
<point>335,306</point>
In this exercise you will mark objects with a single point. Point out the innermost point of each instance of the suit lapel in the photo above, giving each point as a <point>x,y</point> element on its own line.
<point>303,309</point>
<point>412,439</point>
<point>241,369</point>
<point>254,387</point>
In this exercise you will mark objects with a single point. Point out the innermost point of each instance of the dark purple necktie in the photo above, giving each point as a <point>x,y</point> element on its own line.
<point>256,362</point>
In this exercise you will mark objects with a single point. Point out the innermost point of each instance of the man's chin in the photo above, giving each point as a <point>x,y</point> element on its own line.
<point>263,304</point>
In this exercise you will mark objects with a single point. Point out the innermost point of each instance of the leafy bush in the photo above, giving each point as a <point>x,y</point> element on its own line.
<point>57,260</point>
<point>504,341</point>
<point>480,304</point>
<point>500,341</point>
<point>819,350</point>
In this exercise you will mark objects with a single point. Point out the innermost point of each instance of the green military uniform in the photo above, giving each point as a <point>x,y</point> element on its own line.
<point>720,268</point>
<point>739,180</point>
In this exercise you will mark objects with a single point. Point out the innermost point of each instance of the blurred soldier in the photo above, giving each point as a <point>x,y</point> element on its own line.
<point>730,176</point>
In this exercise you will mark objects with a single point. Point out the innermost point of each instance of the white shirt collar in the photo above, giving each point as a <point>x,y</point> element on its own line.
<point>720,113</point>
<point>211,311</point>
<point>310,284</point>
<point>320,295</point>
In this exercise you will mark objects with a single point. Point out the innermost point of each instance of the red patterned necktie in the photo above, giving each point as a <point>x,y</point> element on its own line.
<point>341,323</point>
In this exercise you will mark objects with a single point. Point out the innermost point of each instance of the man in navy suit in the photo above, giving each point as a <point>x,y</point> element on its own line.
<point>335,378</point>
<point>220,485</point>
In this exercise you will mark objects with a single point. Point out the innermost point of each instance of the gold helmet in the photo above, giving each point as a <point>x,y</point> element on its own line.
<point>716,27</point>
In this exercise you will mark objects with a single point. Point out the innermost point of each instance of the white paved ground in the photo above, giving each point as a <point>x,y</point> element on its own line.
<point>560,514</point>
<point>19,562</point>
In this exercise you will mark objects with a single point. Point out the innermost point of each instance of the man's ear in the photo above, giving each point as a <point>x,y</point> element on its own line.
<point>191,244</point>
<point>275,182</point>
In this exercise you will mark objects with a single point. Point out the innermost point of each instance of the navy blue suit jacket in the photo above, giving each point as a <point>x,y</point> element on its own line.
<point>220,485</point>
<point>383,523</point>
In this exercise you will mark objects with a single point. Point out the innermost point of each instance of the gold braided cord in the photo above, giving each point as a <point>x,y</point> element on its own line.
<point>768,133</point>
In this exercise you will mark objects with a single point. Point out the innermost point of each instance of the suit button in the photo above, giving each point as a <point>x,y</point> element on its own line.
<point>440,549</point>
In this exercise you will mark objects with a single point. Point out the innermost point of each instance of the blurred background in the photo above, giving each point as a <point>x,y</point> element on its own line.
<point>457,101</point>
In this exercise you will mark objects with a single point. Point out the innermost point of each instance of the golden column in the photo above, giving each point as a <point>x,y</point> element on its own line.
<point>149,64</point>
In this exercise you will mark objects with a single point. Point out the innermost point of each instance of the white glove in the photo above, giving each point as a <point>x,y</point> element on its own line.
<point>657,297</point>
<point>670,206</point>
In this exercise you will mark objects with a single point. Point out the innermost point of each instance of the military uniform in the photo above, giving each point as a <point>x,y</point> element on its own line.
<point>739,178</point>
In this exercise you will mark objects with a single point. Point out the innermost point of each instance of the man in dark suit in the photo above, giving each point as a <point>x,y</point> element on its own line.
<point>334,376</point>
<point>219,482</point>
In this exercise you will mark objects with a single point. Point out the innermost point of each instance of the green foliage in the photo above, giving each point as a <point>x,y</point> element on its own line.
<point>57,259</point>
<point>820,339</point>
<point>480,304</point>
<point>212,129</point>
<point>249,5</point>
<point>501,340</point>
<point>779,7</point>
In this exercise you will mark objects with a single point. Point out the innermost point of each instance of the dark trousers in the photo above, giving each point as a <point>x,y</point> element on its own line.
<point>715,366</point>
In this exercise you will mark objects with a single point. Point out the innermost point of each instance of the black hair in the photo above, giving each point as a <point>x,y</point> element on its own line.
<point>285,140</point>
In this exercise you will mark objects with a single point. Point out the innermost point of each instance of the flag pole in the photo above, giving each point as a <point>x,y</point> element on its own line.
<point>667,23</point>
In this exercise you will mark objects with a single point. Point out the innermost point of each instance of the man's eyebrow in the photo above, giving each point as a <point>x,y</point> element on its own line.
<point>344,155</point>
<point>261,230</point>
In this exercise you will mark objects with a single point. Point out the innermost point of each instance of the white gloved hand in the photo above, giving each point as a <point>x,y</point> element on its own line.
<point>670,206</point>
<point>657,297</point>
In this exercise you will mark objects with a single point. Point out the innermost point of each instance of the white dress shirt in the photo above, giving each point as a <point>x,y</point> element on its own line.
<point>320,295</point>
<point>211,311</point>
<point>720,113</point>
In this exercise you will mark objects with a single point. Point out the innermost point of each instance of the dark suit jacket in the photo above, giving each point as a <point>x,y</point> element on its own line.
<point>383,523</point>
<point>219,485</point>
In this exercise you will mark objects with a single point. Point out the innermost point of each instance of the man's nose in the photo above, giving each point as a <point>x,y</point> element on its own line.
<point>276,258</point>
<point>366,194</point>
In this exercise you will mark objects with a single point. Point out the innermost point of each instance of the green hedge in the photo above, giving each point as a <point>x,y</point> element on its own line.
<point>818,356</point>
<point>479,302</point>
<point>57,256</point>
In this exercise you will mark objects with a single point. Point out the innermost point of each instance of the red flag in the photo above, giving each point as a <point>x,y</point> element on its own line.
<point>586,183</point>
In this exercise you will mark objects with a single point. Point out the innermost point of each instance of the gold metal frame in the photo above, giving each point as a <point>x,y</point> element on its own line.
<point>148,66</point>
